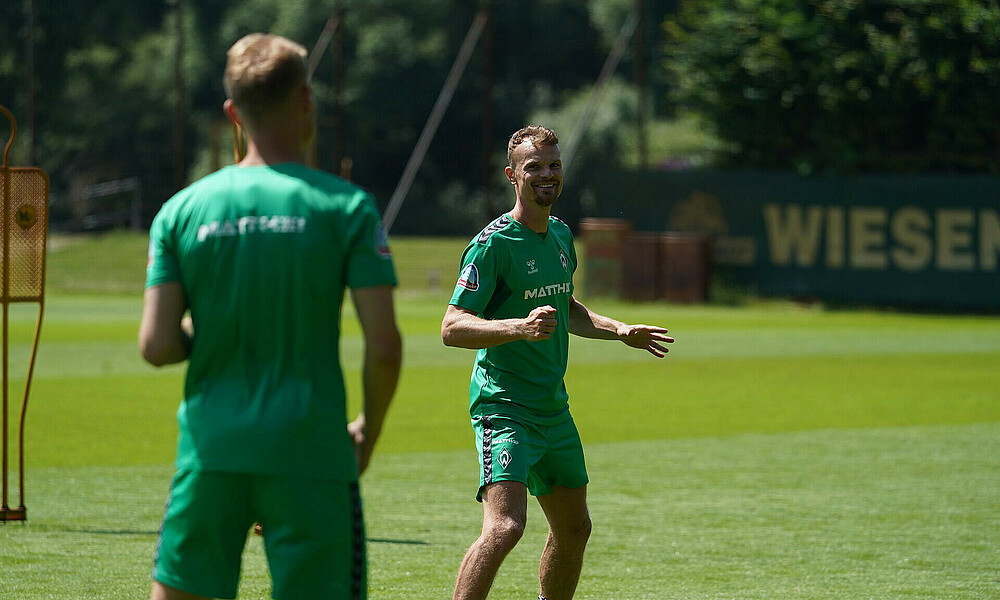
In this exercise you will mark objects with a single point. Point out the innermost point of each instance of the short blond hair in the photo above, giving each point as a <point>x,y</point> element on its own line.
<point>262,70</point>
<point>536,134</point>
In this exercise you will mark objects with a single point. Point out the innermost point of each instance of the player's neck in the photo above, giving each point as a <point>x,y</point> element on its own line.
<point>267,149</point>
<point>535,218</point>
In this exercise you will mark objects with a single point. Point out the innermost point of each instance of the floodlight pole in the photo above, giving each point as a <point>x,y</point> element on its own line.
<point>640,84</point>
<point>179,94</point>
<point>610,64</point>
<point>332,25</point>
<point>340,160</point>
<point>437,113</point>
<point>31,82</point>
<point>488,124</point>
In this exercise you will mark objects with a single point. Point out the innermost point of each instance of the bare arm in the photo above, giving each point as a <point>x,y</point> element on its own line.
<point>463,329</point>
<point>164,335</point>
<point>382,362</point>
<point>586,323</point>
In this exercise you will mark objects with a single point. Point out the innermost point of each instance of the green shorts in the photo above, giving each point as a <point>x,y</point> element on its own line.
<point>313,535</point>
<point>539,456</point>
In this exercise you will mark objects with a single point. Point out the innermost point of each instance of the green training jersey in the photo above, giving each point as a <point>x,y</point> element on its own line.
<point>264,254</point>
<point>508,270</point>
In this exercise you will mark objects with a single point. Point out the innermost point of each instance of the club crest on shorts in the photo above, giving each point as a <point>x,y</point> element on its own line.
<point>504,458</point>
<point>469,279</point>
<point>564,261</point>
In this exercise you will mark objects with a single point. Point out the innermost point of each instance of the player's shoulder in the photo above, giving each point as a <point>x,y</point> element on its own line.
<point>559,228</point>
<point>183,201</point>
<point>204,186</point>
<point>329,192</point>
<point>324,180</point>
<point>492,232</point>
<point>557,223</point>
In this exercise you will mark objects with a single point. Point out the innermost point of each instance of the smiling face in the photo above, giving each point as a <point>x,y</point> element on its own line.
<point>536,173</point>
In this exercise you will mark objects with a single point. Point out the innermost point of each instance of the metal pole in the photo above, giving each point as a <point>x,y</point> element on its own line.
<point>340,140</point>
<point>179,118</point>
<point>31,83</point>
<point>437,113</point>
<point>332,24</point>
<point>595,94</point>
<point>640,84</point>
<point>487,109</point>
<point>4,507</point>
<point>5,298</point>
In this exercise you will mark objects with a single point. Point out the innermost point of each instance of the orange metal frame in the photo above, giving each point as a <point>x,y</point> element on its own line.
<point>19,512</point>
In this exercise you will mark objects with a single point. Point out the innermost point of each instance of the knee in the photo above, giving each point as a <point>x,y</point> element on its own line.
<point>577,533</point>
<point>505,532</point>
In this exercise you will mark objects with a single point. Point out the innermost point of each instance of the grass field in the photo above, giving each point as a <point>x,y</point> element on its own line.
<point>779,452</point>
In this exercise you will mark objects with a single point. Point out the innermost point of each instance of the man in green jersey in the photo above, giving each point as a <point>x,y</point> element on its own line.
<point>260,253</point>
<point>514,303</point>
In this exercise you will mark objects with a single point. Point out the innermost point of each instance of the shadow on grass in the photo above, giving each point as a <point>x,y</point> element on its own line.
<point>401,542</point>
<point>130,532</point>
<point>121,532</point>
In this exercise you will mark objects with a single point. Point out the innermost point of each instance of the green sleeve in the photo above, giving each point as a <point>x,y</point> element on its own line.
<point>477,280</point>
<point>162,265</point>
<point>369,260</point>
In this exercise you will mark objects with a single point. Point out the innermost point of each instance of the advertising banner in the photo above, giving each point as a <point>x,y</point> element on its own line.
<point>897,240</point>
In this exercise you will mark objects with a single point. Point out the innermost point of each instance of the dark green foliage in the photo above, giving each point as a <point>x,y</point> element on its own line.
<point>106,89</point>
<point>844,85</point>
<point>812,85</point>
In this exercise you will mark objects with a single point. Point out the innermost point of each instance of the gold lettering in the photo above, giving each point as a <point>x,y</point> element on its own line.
<point>914,250</point>
<point>989,239</point>
<point>954,240</point>
<point>868,238</point>
<point>793,234</point>
<point>835,237</point>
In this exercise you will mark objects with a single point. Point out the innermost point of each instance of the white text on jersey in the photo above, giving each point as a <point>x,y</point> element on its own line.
<point>549,290</point>
<point>246,225</point>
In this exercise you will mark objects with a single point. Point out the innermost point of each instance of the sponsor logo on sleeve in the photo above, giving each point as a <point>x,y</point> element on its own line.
<point>382,242</point>
<point>469,279</point>
<point>151,254</point>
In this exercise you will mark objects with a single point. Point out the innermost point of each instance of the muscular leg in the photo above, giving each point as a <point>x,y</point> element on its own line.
<point>163,592</point>
<point>569,529</point>
<point>505,511</point>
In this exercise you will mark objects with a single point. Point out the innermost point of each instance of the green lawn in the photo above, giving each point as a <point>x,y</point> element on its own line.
<point>777,452</point>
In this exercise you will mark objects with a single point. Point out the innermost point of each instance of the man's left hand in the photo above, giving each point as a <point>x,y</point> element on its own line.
<point>646,337</point>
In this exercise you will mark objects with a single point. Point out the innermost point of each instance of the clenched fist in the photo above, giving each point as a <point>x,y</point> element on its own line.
<point>540,323</point>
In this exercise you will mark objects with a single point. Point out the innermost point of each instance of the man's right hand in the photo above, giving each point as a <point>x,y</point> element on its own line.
<point>540,323</point>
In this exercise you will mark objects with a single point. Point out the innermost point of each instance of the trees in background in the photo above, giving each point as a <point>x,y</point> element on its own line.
<point>117,84</point>
<point>843,86</point>
<point>812,85</point>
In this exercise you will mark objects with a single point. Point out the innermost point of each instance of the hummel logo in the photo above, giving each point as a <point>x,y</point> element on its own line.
<point>531,267</point>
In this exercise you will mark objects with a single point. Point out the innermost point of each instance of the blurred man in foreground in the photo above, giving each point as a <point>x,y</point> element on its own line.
<point>260,253</point>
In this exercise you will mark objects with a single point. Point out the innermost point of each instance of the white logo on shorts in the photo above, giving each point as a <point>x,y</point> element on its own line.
<point>504,458</point>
